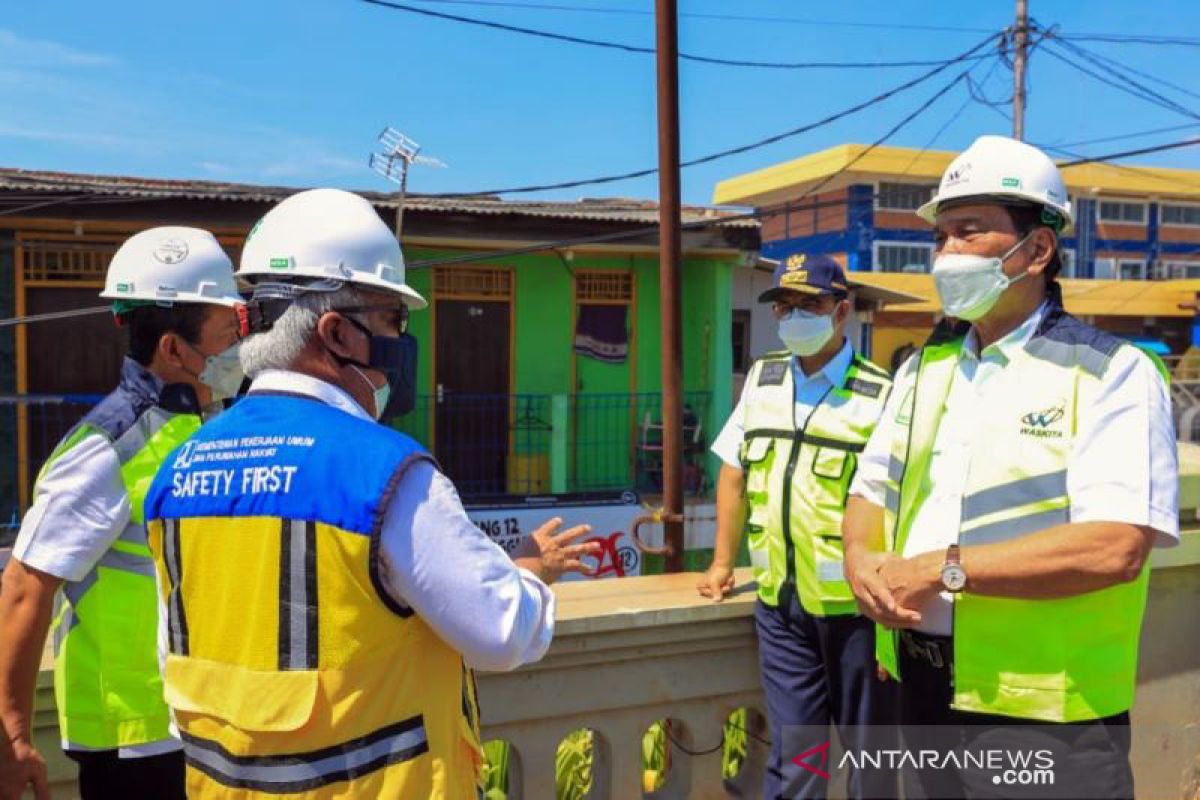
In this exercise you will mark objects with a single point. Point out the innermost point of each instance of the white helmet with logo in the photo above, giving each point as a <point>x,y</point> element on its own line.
<point>1002,168</point>
<point>326,235</point>
<point>171,265</point>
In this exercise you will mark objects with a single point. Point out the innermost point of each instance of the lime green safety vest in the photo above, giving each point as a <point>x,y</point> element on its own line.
<point>798,474</point>
<point>106,677</point>
<point>1063,660</point>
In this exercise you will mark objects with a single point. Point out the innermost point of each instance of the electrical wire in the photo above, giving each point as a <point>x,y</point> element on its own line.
<point>1122,86</point>
<point>698,224</point>
<point>603,179</point>
<point>1121,65</point>
<point>1124,78</point>
<point>760,215</point>
<point>629,48</point>
<point>1124,136</point>
<point>53,315</point>
<point>719,17</point>
<point>1122,38</point>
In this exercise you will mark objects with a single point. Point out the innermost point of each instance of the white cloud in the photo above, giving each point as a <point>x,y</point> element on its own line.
<point>17,50</point>
<point>47,135</point>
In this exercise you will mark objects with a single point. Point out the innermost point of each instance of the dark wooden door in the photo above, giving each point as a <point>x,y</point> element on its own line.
<point>472,368</point>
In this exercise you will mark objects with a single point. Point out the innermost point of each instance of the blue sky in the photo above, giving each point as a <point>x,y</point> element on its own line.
<point>293,92</point>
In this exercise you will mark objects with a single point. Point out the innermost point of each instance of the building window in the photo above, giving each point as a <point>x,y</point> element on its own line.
<point>1129,269</point>
<point>1067,257</point>
<point>903,257</point>
<point>903,196</point>
<point>1178,270</point>
<point>1188,216</point>
<point>741,340</point>
<point>1128,212</point>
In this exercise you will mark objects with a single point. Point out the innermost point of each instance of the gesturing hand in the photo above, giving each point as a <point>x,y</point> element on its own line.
<point>548,554</point>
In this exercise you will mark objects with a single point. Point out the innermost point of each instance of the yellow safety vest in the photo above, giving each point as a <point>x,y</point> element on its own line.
<point>107,685</point>
<point>292,672</point>
<point>798,474</point>
<point>1060,660</point>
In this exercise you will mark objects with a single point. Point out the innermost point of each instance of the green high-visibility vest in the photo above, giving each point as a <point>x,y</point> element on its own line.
<point>1061,660</point>
<point>106,678</point>
<point>798,474</point>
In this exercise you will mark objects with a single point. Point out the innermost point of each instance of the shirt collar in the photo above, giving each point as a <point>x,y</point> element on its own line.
<point>281,380</point>
<point>1006,346</point>
<point>834,371</point>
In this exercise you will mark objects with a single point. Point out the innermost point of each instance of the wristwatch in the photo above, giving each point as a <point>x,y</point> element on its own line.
<point>954,577</point>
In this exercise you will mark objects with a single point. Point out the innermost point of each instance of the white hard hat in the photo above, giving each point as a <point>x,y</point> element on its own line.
<point>171,265</point>
<point>1000,167</point>
<point>326,234</point>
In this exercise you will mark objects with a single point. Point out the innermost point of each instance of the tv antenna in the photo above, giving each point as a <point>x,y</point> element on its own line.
<point>399,153</point>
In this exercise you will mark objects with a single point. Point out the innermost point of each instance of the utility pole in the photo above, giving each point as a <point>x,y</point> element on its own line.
<point>670,240</point>
<point>1020,42</point>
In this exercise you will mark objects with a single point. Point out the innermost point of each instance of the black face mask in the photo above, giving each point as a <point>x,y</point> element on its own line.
<point>396,358</point>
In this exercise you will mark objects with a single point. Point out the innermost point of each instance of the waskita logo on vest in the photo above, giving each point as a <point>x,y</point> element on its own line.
<point>1044,423</point>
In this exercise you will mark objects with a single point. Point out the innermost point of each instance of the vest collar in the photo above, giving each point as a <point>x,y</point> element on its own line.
<point>145,386</point>
<point>279,381</point>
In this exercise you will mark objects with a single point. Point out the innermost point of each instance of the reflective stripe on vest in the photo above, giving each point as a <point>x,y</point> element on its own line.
<point>797,475</point>
<point>303,772</point>
<point>289,668</point>
<point>1060,660</point>
<point>106,677</point>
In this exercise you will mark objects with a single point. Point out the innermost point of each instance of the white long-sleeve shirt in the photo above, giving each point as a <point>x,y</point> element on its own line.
<point>435,560</point>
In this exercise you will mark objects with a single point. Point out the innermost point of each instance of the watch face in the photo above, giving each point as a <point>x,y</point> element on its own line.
<point>954,577</point>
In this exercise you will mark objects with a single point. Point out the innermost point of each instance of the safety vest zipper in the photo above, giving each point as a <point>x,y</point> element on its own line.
<point>789,471</point>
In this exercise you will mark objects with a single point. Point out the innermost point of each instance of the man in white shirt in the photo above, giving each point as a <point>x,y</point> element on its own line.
<point>1002,517</point>
<point>371,596</point>
<point>172,289</point>
<point>790,450</point>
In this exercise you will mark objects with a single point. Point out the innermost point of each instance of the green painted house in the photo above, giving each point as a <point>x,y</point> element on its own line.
<point>538,372</point>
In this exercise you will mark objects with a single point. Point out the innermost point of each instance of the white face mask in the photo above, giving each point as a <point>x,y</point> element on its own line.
<point>223,373</point>
<point>805,333</point>
<point>382,393</point>
<point>970,285</point>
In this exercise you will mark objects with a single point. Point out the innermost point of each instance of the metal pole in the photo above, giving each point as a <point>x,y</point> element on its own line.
<point>670,237</point>
<point>1021,41</point>
<point>400,199</point>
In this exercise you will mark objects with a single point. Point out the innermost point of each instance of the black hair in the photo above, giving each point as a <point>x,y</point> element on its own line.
<point>1025,218</point>
<point>148,324</point>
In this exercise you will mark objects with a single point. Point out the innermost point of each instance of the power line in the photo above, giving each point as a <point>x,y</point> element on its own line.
<point>718,17</point>
<point>1122,38</point>
<point>629,48</point>
<point>699,224</point>
<point>1124,78</point>
<point>966,55</point>
<point>1123,136</point>
<point>1121,65</point>
<point>1120,87</point>
<point>757,214</point>
<point>1127,153</point>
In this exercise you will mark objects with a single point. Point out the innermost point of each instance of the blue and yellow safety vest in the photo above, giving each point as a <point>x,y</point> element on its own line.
<point>291,670</point>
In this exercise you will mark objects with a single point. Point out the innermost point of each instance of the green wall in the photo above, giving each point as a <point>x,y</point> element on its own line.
<point>544,337</point>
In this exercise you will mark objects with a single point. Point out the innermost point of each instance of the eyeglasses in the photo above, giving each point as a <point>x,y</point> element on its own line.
<point>811,303</point>
<point>397,319</point>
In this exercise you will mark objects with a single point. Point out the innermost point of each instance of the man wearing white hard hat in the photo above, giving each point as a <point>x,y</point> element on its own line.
<point>1006,506</point>
<point>173,290</point>
<point>326,597</point>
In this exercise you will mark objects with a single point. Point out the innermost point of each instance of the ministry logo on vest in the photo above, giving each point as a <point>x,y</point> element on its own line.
<point>1045,422</point>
